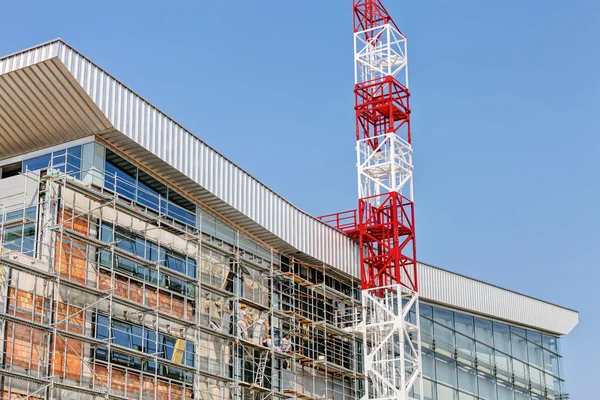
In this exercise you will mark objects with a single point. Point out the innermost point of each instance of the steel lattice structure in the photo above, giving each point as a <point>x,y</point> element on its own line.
<point>383,224</point>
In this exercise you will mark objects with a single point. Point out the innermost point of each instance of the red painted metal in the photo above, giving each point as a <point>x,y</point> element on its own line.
<point>386,233</point>
<point>369,14</point>
<point>382,106</point>
<point>383,225</point>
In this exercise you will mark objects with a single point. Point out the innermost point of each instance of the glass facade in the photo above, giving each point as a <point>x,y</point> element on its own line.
<point>147,341</point>
<point>468,358</point>
<point>464,357</point>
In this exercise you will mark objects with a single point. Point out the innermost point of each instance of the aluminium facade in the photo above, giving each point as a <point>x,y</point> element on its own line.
<point>137,262</point>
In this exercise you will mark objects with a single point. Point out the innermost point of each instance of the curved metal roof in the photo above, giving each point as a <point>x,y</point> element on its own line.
<point>50,94</point>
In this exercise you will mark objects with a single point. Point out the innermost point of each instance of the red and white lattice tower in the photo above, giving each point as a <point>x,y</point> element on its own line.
<point>383,224</point>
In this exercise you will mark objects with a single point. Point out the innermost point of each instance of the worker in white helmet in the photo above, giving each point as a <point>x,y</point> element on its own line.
<point>260,328</point>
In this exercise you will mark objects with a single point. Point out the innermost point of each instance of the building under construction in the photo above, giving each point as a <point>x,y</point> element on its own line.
<point>137,262</point>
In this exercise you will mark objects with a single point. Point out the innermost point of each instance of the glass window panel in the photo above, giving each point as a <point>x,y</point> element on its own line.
<point>549,342</point>
<point>34,164</point>
<point>137,338</point>
<point>505,391</point>
<point>502,363</point>
<point>189,354</point>
<point>121,172</point>
<point>443,317</point>
<point>428,364</point>
<point>28,239</point>
<point>534,337</point>
<point>520,371</point>
<point>445,370</point>
<point>13,238</point>
<point>464,396</point>
<point>518,343</point>
<point>105,259</point>
<point>485,356</point>
<point>106,233</point>
<point>140,247</point>
<point>426,329</point>
<point>501,337</point>
<point>521,394</point>
<point>101,327</point>
<point>465,348</point>
<point>121,334</point>
<point>467,379</point>
<point>446,393</point>
<point>126,265</point>
<point>429,392</point>
<point>535,354</point>
<point>483,331</point>
<point>549,361</point>
<point>464,324</point>
<point>176,262</point>
<point>549,383</point>
<point>537,378</point>
<point>191,267</point>
<point>150,342</point>
<point>444,338</point>
<point>487,387</point>
<point>150,190</point>
<point>169,345</point>
<point>74,161</point>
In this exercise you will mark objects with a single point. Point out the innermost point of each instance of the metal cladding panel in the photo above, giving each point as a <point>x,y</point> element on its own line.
<point>155,140</point>
<point>461,292</point>
<point>155,131</point>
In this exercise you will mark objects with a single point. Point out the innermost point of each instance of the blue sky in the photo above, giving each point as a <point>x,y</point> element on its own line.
<point>505,122</point>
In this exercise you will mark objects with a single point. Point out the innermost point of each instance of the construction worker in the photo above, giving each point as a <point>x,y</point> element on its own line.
<point>268,342</point>
<point>242,323</point>
<point>286,344</point>
<point>261,326</point>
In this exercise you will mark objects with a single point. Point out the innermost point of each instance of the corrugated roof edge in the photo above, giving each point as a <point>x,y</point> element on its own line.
<point>498,287</point>
<point>63,42</point>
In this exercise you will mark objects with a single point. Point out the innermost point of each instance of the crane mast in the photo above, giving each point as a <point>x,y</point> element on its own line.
<point>383,223</point>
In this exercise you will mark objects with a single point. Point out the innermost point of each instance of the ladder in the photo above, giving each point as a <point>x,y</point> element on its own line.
<point>262,365</point>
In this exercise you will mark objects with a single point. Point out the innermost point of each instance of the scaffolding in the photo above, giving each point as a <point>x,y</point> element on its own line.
<point>105,297</point>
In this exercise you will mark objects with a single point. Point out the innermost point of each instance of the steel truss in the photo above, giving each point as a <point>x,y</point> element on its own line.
<point>383,223</point>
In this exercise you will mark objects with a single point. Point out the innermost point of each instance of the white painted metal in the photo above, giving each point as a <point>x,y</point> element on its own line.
<point>463,293</point>
<point>393,344</point>
<point>239,196</point>
<point>153,138</point>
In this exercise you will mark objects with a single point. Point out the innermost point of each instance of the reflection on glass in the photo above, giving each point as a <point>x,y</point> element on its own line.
<point>464,324</point>
<point>505,391</point>
<point>487,386</point>
<point>467,379</point>
<point>446,393</point>
<point>483,331</point>
<point>445,370</point>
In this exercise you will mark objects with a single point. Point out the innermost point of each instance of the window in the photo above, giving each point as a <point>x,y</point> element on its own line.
<point>133,183</point>
<point>74,162</point>
<point>139,338</point>
<point>487,387</point>
<point>20,238</point>
<point>11,170</point>
<point>37,163</point>
<point>142,248</point>
<point>483,331</point>
<point>464,324</point>
<point>505,391</point>
<point>467,379</point>
<point>445,370</point>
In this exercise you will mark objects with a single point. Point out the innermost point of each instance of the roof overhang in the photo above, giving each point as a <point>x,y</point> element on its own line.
<point>51,94</point>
